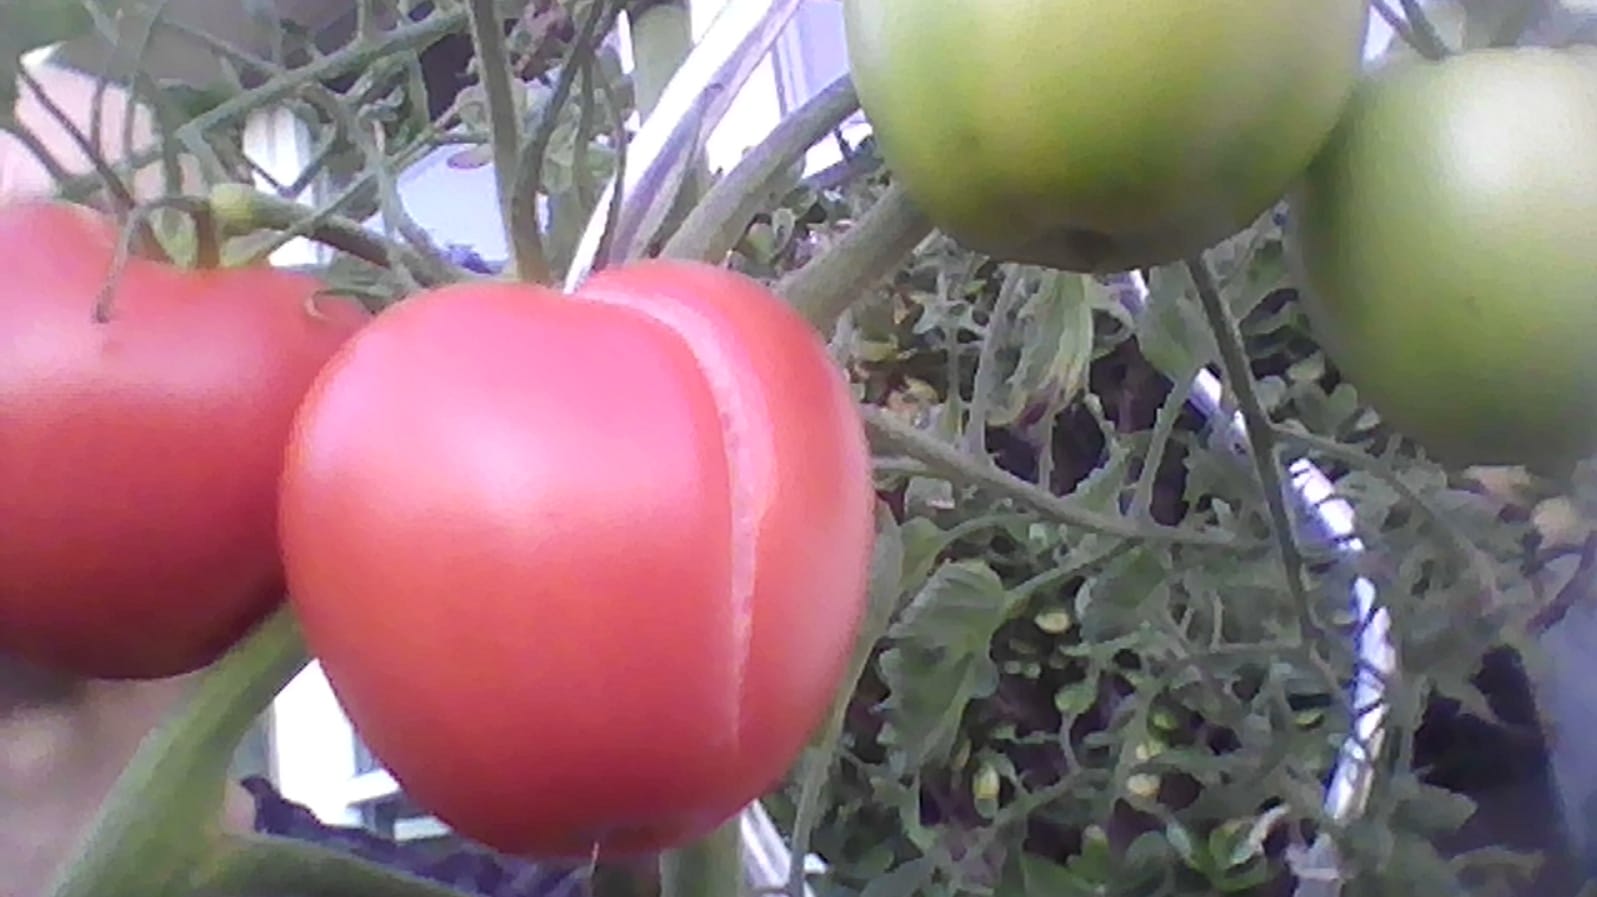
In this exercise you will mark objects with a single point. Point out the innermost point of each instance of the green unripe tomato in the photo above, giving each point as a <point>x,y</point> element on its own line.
<point>1445,245</point>
<point>1101,135</point>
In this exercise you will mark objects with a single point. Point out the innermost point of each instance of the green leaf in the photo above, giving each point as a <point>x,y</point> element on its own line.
<point>958,610</point>
<point>905,881</point>
<point>1113,603</point>
<point>27,25</point>
<point>1057,324</point>
<point>1029,875</point>
<point>940,661</point>
<point>1171,332</point>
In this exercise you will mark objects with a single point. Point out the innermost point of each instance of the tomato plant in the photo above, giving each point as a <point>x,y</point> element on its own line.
<point>582,570</point>
<point>1443,237</point>
<point>1095,136</point>
<point>141,454</point>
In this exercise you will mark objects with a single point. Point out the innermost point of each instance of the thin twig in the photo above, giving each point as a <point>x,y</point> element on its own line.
<point>987,373</point>
<point>242,204</point>
<point>357,56</point>
<point>113,184</point>
<point>527,173</point>
<point>1465,550</point>
<point>504,116</point>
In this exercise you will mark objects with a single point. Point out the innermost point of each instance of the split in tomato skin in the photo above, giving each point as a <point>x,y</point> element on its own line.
<point>139,456</point>
<point>583,570</point>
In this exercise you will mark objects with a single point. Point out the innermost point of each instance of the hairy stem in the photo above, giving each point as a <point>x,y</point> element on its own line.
<point>1261,432</point>
<point>243,208</point>
<point>711,868</point>
<point>162,818</point>
<point>876,245</point>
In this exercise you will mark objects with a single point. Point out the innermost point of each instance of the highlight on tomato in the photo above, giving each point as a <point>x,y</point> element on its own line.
<point>1101,135</point>
<point>584,571</point>
<point>139,455</point>
<point>1444,242</point>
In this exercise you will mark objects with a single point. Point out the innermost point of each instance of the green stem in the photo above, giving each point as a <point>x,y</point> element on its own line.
<point>1464,548</point>
<point>531,154</point>
<point>887,435</point>
<point>162,818</point>
<point>988,376</point>
<point>242,208</point>
<point>1261,430</point>
<point>270,866</point>
<point>713,867</point>
<point>662,38</point>
<point>504,117</point>
<point>872,249</point>
<point>716,224</point>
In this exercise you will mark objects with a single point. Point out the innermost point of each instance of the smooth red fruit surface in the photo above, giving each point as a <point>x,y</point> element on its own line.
<point>139,457</point>
<point>582,570</point>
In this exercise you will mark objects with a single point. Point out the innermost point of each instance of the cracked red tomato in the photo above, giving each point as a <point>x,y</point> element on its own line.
<point>584,571</point>
<point>139,456</point>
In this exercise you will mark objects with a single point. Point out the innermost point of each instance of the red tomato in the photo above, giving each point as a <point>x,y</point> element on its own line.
<point>583,571</point>
<point>139,457</point>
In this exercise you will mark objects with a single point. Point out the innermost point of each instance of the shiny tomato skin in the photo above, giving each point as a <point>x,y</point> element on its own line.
<point>1100,135</point>
<point>1444,239</point>
<point>582,570</point>
<point>139,456</point>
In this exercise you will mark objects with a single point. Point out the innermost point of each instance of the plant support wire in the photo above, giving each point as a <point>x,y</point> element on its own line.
<point>693,103</point>
<point>1349,788</point>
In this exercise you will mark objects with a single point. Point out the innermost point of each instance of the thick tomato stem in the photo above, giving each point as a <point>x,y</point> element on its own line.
<point>147,841</point>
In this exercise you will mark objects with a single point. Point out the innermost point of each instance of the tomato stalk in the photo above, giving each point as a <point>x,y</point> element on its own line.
<point>712,867</point>
<point>872,249</point>
<point>161,820</point>
<point>524,217</point>
<point>243,209</point>
<point>1261,434</point>
<point>358,56</point>
<point>504,118</point>
<point>113,184</point>
<point>159,832</point>
<point>662,38</point>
